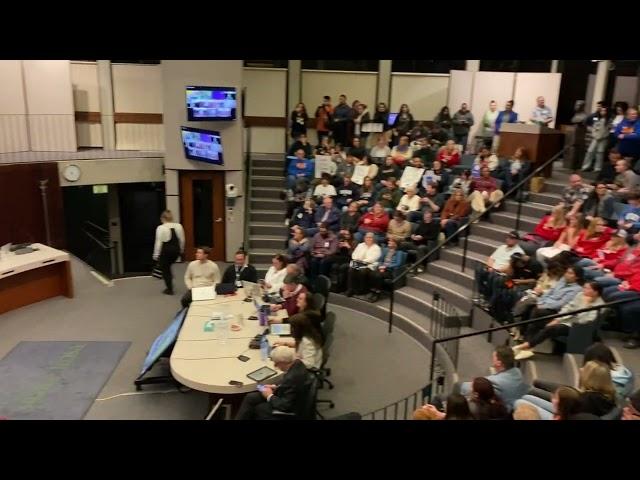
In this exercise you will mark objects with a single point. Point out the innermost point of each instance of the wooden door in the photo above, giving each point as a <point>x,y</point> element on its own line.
<point>202,212</point>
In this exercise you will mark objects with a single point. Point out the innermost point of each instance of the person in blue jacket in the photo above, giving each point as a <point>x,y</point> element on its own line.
<point>628,135</point>
<point>506,116</point>
<point>390,260</point>
<point>300,167</point>
<point>629,218</point>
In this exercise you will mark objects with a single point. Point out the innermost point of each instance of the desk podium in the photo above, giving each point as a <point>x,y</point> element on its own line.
<point>541,143</point>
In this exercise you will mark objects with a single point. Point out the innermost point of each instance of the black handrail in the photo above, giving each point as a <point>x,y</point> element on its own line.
<point>247,190</point>
<point>465,227</point>
<point>437,341</point>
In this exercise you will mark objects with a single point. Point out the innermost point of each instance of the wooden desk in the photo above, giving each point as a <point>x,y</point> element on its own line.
<point>32,277</point>
<point>541,143</point>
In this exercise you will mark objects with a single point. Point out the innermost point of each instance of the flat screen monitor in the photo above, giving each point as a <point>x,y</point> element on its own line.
<point>164,342</point>
<point>211,103</point>
<point>392,118</point>
<point>202,145</point>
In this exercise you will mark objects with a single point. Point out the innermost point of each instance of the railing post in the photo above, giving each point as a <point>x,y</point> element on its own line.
<point>432,368</point>
<point>391,302</point>
<point>465,247</point>
<point>519,197</point>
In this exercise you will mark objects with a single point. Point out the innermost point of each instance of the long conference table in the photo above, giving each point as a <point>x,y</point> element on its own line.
<point>204,361</point>
<point>35,276</point>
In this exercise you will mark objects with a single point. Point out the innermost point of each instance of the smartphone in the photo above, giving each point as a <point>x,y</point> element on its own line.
<point>235,383</point>
<point>243,358</point>
<point>260,388</point>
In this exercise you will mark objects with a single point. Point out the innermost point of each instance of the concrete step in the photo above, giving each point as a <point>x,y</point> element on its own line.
<point>264,255</point>
<point>259,193</point>
<point>482,246</point>
<point>451,272</point>
<point>273,182</point>
<point>554,185</point>
<point>545,198</point>
<point>454,256</point>
<point>451,292</point>
<point>423,308</point>
<point>274,242</point>
<point>268,163</point>
<point>265,228</point>
<point>531,209</point>
<point>272,204</point>
<point>507,219</point>
<point>490,231</point>
<point>271,216</point>
<point>267,171</point>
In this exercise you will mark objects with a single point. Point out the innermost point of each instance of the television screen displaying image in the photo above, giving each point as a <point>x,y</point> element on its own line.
<point>392,118</point>
<point>202,145</point>
<point>211,103</point>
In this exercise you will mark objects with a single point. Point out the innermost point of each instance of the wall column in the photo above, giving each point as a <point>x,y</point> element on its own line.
<point>384,83</point>
<point>472,65</point>
<point>600,87</point>
<point>554,66</point>
<point>105,85</point>
<point>294,91</point>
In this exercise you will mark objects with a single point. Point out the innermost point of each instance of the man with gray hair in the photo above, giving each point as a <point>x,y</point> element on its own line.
<point>288,396</point>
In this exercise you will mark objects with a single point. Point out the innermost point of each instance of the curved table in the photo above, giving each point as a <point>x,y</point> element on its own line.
<point>204,362</point>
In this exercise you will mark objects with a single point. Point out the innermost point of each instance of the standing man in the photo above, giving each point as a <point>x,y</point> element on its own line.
<point>541,115</point>
<point>169,245</point>
<point>323,118</point>
<point>240,270</point>
<point>202,272</point>
<point>342,115</point>
<point>489,123</point>
<point>462,123</point>
<point>505,116</point>
<point>628,135</point>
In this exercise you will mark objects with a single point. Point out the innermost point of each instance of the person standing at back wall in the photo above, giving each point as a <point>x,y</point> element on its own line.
<point>169,245</point>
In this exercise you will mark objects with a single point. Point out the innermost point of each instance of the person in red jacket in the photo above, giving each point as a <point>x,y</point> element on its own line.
<point>375,221</point>
<point>590,239</point>
<point>629,313</point>
<point>626,268</point>
<point>449,155</point>
<point>605,258</point>
<point>547,232</point>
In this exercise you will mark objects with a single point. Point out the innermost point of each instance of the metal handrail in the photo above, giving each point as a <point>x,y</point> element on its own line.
<point>518,324</point>
<point>467,226</point>
<point>247,191</point>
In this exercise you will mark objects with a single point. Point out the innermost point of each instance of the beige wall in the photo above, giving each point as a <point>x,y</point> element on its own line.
<point>176,75</point>
<point>13,108</point>
<point>50,106</point>
<point>425,94</point>
<point>489,86</point>
<point>355,85</point>
<point>266,97</point>
<point>105,171</point>
<point>530,86</point>
<point>86,98</point>
<point>625,90</point>
<point>460,89</point>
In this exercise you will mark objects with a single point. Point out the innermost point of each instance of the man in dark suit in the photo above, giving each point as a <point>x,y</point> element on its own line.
<point>238,272</point>
<point>325,213</point>
<point>289,396</point>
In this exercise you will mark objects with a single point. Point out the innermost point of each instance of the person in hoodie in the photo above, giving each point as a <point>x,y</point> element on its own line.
<point>462,123</point>
<point>347,192</point>
<point>628,134</point>
<point>629,218</point>
<point>606,257</point>
<point>590,296</point>
<point>362,117</point>
<point>300,168</point>
<point>323,245</point>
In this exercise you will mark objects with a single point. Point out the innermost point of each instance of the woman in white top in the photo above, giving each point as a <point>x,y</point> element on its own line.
<point>169,245</point>
<point>380,151</point>
<point>306,339</point>
<point>364,260</point>
<point>274,279</point>
<point>372,172</point>
<point>410,202</point>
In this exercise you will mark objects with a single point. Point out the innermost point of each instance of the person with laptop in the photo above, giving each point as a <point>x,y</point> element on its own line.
<point>239,271</point>
<point>202,272</point>
<point>289,292</point>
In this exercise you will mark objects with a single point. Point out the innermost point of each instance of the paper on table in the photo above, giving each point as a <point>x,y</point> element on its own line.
<point>203,293</point>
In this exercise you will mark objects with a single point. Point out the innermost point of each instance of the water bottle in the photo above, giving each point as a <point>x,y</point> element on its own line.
<point>223,328</point>
<point>264,348</point>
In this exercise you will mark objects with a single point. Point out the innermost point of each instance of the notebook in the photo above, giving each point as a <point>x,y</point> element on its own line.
<point>203,293</point>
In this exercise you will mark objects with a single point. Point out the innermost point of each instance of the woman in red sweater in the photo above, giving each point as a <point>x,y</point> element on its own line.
<point>605,258</point>
<point>449,155</point>
<point>375,221</point>
<point>547,232</point>
<point>592,238</point>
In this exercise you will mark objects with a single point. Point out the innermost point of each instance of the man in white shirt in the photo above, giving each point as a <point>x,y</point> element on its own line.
<point>498,265</point>
<point>541,114</point>
<point>202,272</point>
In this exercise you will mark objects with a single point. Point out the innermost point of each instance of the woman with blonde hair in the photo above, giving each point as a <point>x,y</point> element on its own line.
<point>595,236</point>
<point>598,394</point>
<point>565,242</point>
<point>169,245</point>
<point>546,232</point>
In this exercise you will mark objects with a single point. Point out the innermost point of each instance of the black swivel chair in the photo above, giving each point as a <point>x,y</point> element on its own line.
<point>323,372</point>
<point>323,287</point>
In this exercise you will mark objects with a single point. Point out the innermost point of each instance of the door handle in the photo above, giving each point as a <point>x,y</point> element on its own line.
<point>219,220</point>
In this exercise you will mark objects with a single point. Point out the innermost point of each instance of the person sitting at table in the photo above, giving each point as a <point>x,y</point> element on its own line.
<point>240,271</point>
<point>306,339</point>
<point>289,292</point>
<point>202,272</point>
<point>289,396</point>
<point>274,278</point>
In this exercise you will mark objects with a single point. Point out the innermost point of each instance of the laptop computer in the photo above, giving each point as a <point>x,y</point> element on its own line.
<point>203,293</point>
<point>225,288</point>
<point>251,289</point>
<point>280,329</point>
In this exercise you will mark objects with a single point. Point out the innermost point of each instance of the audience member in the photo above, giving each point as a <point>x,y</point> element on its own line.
<point>298,121</point>
<point>323,118</point>
<point>364,261</point>
<point>240,271</point>
<point>462,122</point>
<point>484,191</point>
<point>449,155</point>
<point>274,278</point>
<point>454,214</point>
<point>323,245</point>
<point>376,222</point>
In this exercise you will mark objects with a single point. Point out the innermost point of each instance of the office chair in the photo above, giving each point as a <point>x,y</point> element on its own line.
<point>320,302</point>
<point>323,286</point>
<point>323,372</point>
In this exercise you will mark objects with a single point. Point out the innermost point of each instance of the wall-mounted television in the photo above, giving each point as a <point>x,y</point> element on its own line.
<point>211,103</point>
<point>202,145</point>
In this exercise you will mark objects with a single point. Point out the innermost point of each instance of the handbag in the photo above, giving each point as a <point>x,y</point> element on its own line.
<point>156,272</point>
<point>537,184</point>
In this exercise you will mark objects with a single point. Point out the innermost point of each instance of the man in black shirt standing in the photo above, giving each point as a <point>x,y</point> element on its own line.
<point>342,116</point>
